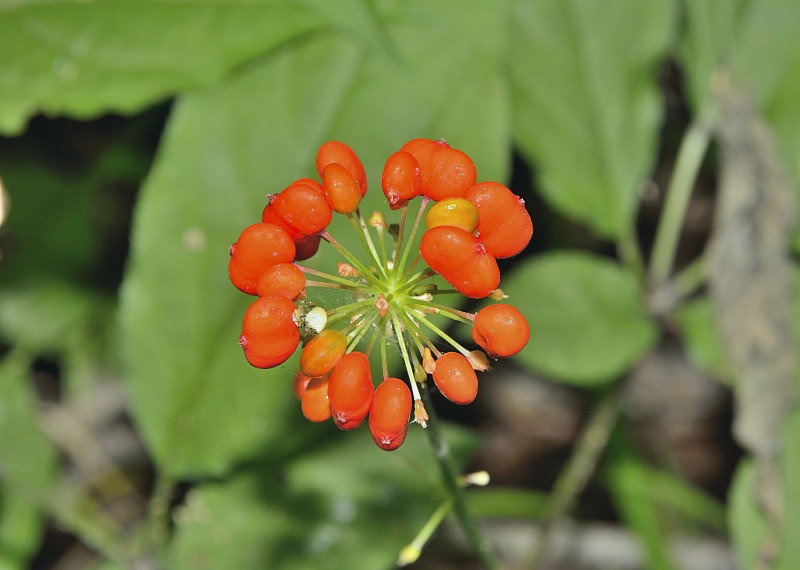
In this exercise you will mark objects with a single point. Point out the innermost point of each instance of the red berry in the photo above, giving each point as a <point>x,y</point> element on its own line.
<point>316,405</point>
<point>461,259</point>
<point>501,330</point>
<point>455,378</point>
<point>350,390</point>
<point>340,188</point>
<point>281,279</point>
<point>444,171</point>
<point>258,247</point>
<point>306,247</point>
<point>389,413</point>
<point>340,153</point>
<point>322,352</point>
<point>401,180</point>
<point>269,333</point>
<point>301,207</point>
<point>422,151</point>
<point>504,225</point>
<point>300,383</point>
<point>309,182</point>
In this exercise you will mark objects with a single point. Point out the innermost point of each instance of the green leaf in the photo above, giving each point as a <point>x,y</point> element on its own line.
<point>508,502</point>
<point>748,523</point>
<point>21,530</point>
<point>27,464</point>
<point>61,322</point>
<point>711,27</point>
<point>346,505</point>
<point>767,60</point>
<point>198,403</point>
<point>587,107</point>
<point>85,58</point>
<point>629,483</point>
<point>588,324</point>
<point>695,319</point>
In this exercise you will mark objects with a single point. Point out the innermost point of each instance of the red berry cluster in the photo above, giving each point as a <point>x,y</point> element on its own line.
<point>468,227</point>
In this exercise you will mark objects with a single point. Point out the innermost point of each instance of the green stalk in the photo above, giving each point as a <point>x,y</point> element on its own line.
<point>399,266</point>
<point>451,482</point>
<point>690,156</point>
<point>365,271</point>
<point>579,468</point>
<point>361,229</point>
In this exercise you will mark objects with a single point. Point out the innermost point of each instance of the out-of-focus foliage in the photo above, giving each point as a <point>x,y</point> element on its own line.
<point>255,88</point>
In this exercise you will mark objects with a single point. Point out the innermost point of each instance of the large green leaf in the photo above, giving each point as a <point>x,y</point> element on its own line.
<point>198,403</point>
<point>346,505</point>
<point>587,108</point>
<point>586,315</point>
<point>84,58</point>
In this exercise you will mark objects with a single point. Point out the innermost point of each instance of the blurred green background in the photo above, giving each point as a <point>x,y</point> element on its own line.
<point>140,138</point>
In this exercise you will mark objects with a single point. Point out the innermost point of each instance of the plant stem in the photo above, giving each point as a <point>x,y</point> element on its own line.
<point>452,482</point>
<point>411,553</point>
<point>690,156</point>
<point>580,466</point>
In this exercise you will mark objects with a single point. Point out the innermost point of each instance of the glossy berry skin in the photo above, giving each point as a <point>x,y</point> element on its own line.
<point>269,333</point>
<point>315,403</point>
<point>350,390</point>
<point>461,259</point>
<point>339,153</point>
<point>281,279</point>
<point>389,413</point>
<point>458,212</point>
<point>340,189</point>
<point>306,247</point>
<point>455,378</point>
<point>309,182</point>
<point>323,352</point>
<point>504,225</point>
<point>258,247</point>
<point>500,330</point>
<point>445,172</point>
<point>401,179</point>
<point>300,383</point>
<point>301,208</point>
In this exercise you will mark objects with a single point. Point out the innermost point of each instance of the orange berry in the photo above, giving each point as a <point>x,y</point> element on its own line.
<point>322,352</point>
<point>501,330</point>
<point>461,259</point>
<point>258,247</point>
<point>389,413</point>
<point>269,333</point>
<point>455,378</point>
<point>316,405</point>
<point>401,180</point>
<point>339,153</point>
<point>444,171</point>
<point>300,383</point>
<point>350,390</point>
<point>340,188</point>
<point>458,212</point>
<point>309,182</point>
<point>301,207</point>
<point>504,225</point>
<point>281,279</point>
